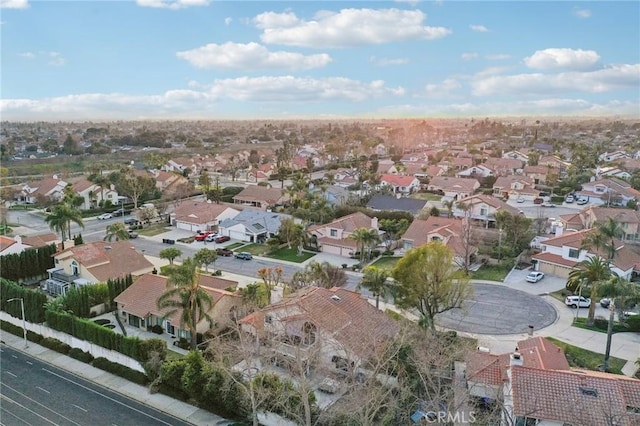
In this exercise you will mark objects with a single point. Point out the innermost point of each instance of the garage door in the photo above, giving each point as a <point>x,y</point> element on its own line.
<point>331,249</point>
<point>557,270</point>
<point>187,226</point>
<point>238,235</point>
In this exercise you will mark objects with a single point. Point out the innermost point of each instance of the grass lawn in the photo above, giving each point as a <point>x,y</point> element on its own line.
<point>600,325</point>
<point>426,196</point>
<point>234,246</point>
<point>173,356</point>
<point>291,255</point>
<point>582,358</point>
<point>491,272</point>
<point>151,230</point>
<point>255,249</point>
<point>386,262</point>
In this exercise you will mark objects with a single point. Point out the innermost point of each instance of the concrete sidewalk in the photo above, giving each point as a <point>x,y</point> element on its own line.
<point>161,402</point>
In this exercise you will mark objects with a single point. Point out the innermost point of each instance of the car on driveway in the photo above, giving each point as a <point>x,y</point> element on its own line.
<point>534,276</point>
<point>224,252</point>
<point>243,255</point>
<point>221,239</point>
<point>211,237</point>
<point>132,235</point>
<point>549,205</point>
<point>577,302</point>
<point>105,216</point>
<point>605,303</point>
<point>202,235</point>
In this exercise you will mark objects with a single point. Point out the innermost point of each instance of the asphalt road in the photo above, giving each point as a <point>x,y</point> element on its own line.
<point>36,393</point>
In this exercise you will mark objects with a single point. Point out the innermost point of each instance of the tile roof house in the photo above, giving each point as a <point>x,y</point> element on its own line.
<point>454,187</point>
<point>483,208</point>
<point>93,263</point>
<point>253,225</point>
<point>92,194</point>
<point>18,244</point>
<point>387,166</point>
<point>504,166</point>
<point>479,171</point>
<point>334,237</point>
<point>515,187</point>
<point>195,215</point>
<point>536,385</point>
<point>420,169</point>
<point>138,304</point>
<point>336,328</point>
<point>593,215</point>
<point>260,196</point>
<point>539,174</point>
<point>380,202</point>
<point>50,188</point>
<point>610,191</point>
<point>400,184</point>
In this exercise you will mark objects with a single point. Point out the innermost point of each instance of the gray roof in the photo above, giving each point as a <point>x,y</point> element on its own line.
<point>388,202</point>
<point>256,221</point>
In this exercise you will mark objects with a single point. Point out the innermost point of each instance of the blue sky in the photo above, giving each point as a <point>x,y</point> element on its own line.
<point>201,59</point>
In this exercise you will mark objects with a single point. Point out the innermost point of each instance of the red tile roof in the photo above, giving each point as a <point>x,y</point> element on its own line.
<point>538,352</point>
<point>347,223</point>
<point>198,212</point>
<point>40,240</point>
<point>397,180</point>
<point>254,193</point>
<point>6,242</point>
<point>555,258</point>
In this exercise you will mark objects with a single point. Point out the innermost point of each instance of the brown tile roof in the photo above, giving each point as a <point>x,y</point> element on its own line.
<point>570,239</point>
<point>454,183</point>
<point>573,397</point>
<point>489,200</point>
<point>6,242</point>
<point>82,185</point>
<point>44,186</point>
<point>621,215</point>
<point>397,180</point>
<point>254,193</point>
<point>506,181</point>
<point>572,219</point>
<point>40,240</point>
<point>555,258</point>
<point>419,229</point>
<point>538,352</point>
<point>347,223</point>
<point>486,368</point>
<point>344,242</point>
<point>503,163</point>
<point>541,170</point>
<point>198,212</point>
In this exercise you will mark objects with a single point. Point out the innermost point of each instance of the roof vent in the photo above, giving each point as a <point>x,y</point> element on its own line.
<point>107,247</point>
<point>589,391</point>
<point>335,298</point>
<point>516,355</point>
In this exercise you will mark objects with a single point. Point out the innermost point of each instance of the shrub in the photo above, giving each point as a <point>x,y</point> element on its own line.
<point>56,345</point>
<point>121,370</point>
<point>601,323</point>
<point>80,355</point>
<point>218,273</point>
<point>634,323</point>
<point>344,266</point>
<point>388,253</point>
<point>18,331</point>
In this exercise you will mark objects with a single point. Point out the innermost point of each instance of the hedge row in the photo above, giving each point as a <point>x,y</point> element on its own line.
<point>34,301</point>
<point>121,370</point>
<point>27,264</point>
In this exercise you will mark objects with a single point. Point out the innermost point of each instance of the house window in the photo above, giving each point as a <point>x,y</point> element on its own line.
<point>574,253</point>
<point>134,320</point>
<point>436,238</point>
<point>75,269</point>
<point>333,233</point>
<point>170,328</point>
<point>483,211</point>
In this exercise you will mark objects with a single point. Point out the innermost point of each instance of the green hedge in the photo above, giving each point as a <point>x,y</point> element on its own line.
<point>56,345</point>
<point>121,370</point>
<point>18,331</point>
<point>27,264</point>
<point>34,301</point>
<point>80,355</point>
<point>633,322</point>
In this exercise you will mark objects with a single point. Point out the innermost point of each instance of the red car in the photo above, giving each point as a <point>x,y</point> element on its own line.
<point>202,235</point>
<point>222,239</point>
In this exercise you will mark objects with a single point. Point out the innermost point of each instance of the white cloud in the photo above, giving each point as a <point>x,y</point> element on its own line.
<point>445,88</point>
<point>409,2</point>
<point>498,57</point>
<point>250,56</point>
<point>563,58</point>
<point>468,56</point>
<point>53,58</point>
<point>582,13</point>
<point>615,77</point>
<point>349,27</point>
<point>28,55</point>
<point>479,28</point>
<point>385,62</point>
<point>14,4</point>
<point>228,20</point>
<point>56,60</point>
<point>172,4</point>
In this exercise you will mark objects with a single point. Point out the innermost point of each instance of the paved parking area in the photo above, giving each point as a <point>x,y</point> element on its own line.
<point>497,309</point>
<point>549,284</point>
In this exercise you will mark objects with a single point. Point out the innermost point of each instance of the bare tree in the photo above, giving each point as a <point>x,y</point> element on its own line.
<point>467,238</point>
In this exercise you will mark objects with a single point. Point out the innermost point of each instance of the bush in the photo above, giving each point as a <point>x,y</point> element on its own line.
<point>80,355</point>
<point>344,266</point>
<point>217,273</point>
<point>121,370</point>
<point>18,331</point>
<point>633,323</point>
<point>388,253</point>
<point>56,345</point>
<point>157,329</point>
<point>601,323</point>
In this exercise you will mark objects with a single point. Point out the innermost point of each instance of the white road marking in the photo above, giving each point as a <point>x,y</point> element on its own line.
<point>29,362</point>
<point>79,408</point>
<point>10,373</point>
<point>14,356</point>
<point>43,390</point>
<point>28,409</point>
<point>106,396</point>
<point>42,405</point>
<point>19,418</point>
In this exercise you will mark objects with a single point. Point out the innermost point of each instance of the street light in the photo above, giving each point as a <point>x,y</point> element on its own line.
<point>24,323</point>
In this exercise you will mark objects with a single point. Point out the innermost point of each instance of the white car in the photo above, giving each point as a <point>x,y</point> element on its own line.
<point>577,302</point>
<point>534,277</point>
<point>569,199</point>
<point>105,216</point>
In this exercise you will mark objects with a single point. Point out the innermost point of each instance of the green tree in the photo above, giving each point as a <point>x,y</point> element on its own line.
<point>449,204</point>
<point>365,239</point>
<point>204,181</point>
<point>590,273</point>
<point>434,212</point>
<point>61,217</point>
<point>170,254</point>
<point>376,280</point>
<point>605,237</point>
<point>426,280</point>
<point>205,257</point>
<point>184,294</point>
<point>118,231</point>
<point>517,231</point>
<point>134,185</point>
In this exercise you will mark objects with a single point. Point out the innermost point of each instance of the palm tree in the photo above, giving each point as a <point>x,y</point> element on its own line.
<point>57,221</point>
<point>604,237</point>
<point>376,281</point>
<point>185,294</point>
<point>448,204</point>
<point>590,273</point>
<point>118,231</point>
<point>365,238</point>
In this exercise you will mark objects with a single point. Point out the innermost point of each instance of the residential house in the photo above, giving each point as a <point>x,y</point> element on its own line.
<point>536,386</point>
<point>332,329</point>
<point>589,217</point>
<point>260,196</point>
<point>610,191</point>
<point>183,165</point>
<point>165,180</point>
<point>612,172</point>
<point>253,225</point>
<point>504,166</point>
<point>483,208</point>
<point>334,194</point>
<point>195,215</point>
<point>400,184</point>
<point>555,162</point>
<point>516,155</point>
<point>607,157</point>
<point>92,194</point>
<point>47,189</point>
<point>137,306</point>
<point>18,244</point>
<point>93,263</point>
<point>420,170</point>
<point>380,202</point>
<point>448,231</point>
<point>334,238</point>
<point>381,150</point>
<point>541,174</point>
<point>561,254</point>
<point>515,187</point>
<point>479,172</point>
<point>454,187</point>
<point>387,167</point>
<point>461,163</point>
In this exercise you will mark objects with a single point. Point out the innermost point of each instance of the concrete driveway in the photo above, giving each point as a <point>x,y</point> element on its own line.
<point>549,284</point>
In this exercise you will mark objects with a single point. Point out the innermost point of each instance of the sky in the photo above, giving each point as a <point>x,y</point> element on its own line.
<point>207,59</point>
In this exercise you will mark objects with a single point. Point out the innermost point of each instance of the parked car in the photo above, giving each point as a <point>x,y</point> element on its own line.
<point>202,235</point>
<point>131,221</point>
<point>550,205</point>
<point>132,235</point>
<point>520,200</point>
<point>243,255</point>
<point>582,201</point>
<point>570,199</point>
<point>535,276</point>
<point>211,237</point>
<point>105,216</point>
<point>538,200</point>
<point>120,212</point>
<point>627,314</point>
<point>605,303</point>
<point>577,302</point>
<point>224,252</point>
<point>221,239</point>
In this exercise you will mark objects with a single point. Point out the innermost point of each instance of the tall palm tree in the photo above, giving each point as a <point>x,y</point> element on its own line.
<point>376,281</point>
<point>590,274</point>
<point>449,204</point>
<point>57,221</point>
<point>185,294</point>
<point>365,238</point>
<point>604,237</point>
<point>118,231</point>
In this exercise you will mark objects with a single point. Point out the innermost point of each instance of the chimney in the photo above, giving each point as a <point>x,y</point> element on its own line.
<point>559,229</point>
<point>374,222</point>
<point>18,239</point>
<point>515,359</point>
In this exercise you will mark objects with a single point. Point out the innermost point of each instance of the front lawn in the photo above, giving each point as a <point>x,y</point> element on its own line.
<point>254,249</point>
<point>599,325</point>
<point>234,246</point>
<point>491,272</point>
<point>426,196</point>
<point>155,229</point>
<point>582,358</point>
<point>291,255</point>
<point>386,262</point>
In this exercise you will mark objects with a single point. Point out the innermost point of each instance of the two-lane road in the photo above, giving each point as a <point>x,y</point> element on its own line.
<point>36,393</point>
